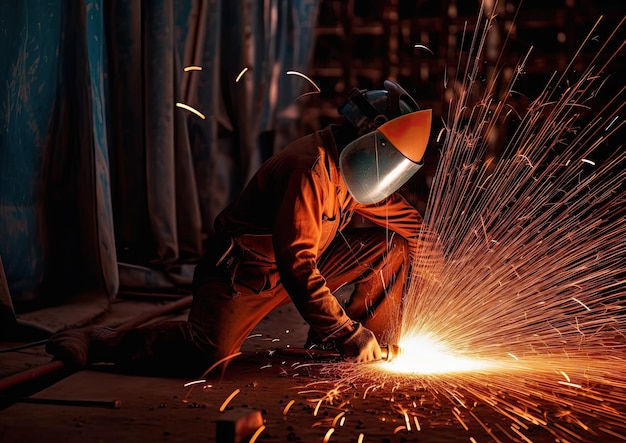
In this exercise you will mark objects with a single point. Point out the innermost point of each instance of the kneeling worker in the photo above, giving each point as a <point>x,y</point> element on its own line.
<point>287,238</point>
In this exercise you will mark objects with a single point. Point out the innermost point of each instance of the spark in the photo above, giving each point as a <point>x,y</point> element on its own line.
<point>441,132</point>
<point>228,399</point>
<point>522,436</point>
<point>457,414</point>
<point>195,382</point>
<point>584,160</point>
<point>287,406</point>
<point>192,68</point>
<point>418,46</point>
<point>338,418</point>
<point>243,71</point>
<point>406,419</point>
<point>213,366</point>
<point>317,407</point>
<point>317,88</point>
<point>328,434</point>
<point>608,127</point>
<point>189,108</point>
<point>581,303</point>
<point>574,385</point>
<point>613,433</point>
<point>256,434</point>
<point>220,361</point>
<point>417,423</point>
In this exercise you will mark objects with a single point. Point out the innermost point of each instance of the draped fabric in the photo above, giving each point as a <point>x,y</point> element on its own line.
<point>106,182</point>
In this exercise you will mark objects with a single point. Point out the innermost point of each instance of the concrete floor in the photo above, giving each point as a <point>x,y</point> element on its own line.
<point>284,390</point>
<point>123,407</point>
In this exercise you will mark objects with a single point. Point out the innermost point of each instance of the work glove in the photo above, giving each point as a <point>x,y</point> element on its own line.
<point>360,345</point>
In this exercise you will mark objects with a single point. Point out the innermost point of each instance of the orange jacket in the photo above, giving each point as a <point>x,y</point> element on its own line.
<point>291,211</point>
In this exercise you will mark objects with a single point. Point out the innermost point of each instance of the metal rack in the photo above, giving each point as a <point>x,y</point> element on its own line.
<point>362,42</point>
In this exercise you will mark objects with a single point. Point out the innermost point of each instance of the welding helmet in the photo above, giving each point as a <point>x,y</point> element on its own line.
<point>393,135</point>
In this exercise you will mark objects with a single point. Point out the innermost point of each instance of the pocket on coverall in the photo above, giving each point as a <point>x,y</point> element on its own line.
<point>258,277</point>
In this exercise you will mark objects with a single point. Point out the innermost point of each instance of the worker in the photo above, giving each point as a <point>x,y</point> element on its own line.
<point>288,237</point>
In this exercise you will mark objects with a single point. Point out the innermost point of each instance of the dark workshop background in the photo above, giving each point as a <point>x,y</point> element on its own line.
<point>107,187</point>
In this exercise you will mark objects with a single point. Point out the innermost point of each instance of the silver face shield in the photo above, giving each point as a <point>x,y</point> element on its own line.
<point>373,168</point>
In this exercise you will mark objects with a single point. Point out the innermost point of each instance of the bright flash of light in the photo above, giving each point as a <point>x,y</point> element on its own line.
<point>425,355</point>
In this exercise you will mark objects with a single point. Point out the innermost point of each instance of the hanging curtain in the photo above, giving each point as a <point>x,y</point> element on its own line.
<point>55,211</point>
<point>105,182</point>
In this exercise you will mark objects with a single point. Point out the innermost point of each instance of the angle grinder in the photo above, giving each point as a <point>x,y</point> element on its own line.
<point>389,352</point>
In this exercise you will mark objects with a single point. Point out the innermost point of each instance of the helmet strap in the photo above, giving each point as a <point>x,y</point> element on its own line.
<point>374,118</point>
<point>397,93</point>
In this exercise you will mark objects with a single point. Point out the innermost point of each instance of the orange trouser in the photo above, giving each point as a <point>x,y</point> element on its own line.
<point>229,301</point>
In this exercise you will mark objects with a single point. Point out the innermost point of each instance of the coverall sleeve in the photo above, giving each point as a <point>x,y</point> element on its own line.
<point>297,237</point>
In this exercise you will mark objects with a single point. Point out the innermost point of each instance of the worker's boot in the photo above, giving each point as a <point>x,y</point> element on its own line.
<point>80,347</point>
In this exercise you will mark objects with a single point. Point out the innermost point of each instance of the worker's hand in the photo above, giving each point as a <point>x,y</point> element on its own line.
<point>360,345</point>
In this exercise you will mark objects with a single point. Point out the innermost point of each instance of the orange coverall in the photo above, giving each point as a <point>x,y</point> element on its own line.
<point>292,242</point>
<point>286,238</point>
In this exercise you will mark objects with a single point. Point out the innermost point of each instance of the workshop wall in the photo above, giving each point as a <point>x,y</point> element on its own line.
<point>105,182</point>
